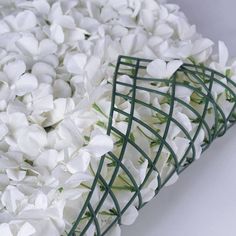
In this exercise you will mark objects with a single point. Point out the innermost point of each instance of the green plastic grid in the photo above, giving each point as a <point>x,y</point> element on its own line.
<point>200,80</point>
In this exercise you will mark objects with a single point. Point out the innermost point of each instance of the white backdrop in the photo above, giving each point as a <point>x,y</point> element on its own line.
<point>203,201</point>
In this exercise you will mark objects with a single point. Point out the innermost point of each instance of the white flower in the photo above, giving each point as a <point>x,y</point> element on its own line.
<point>41,99</point>
<point>79,162</point>
<point>41,201</point>
<point>30,46</point>
<point>201,50</point>
<point>44,72</point>
<point>75,63</point>
<point>57,33</point>
<point>5,229</point>
<point>42,6</point>
<point>3,130</point>
<point>14,69</point>
<point>129,216</point>
<point>218,88</point>
<point>56,15</point>
<point>49,158</point>
<point>35,139</point>
<point>172,180</point>
<point>183,93</point>
<point>71,135</point>
<point>62,106</point>
<point>15,174</point>
<point>198,143</point>
<point>162,70</point>
<point>23,21</point>
<point>128,43</point>
<point>14,121</point>
<point>148,191</point>
<point>18,81</point>
<point>183,120</point>
<point>25,84</point>
<point>115,231</point>
<point>99,145</point>
<point>223,55</point>
<point>26,230</point>
<point>11,197</point>
<point>163,30</point>
<point>148,19</point>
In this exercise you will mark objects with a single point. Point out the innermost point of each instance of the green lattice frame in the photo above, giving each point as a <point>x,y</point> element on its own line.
<point>197,78</point>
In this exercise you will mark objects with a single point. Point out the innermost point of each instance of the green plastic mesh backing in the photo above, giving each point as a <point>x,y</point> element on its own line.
<point>210,116</point>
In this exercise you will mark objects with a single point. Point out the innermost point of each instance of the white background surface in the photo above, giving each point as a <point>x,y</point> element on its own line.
<point>203,201</point>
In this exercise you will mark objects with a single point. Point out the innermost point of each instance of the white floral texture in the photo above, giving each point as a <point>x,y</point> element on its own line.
<point>57,61</point>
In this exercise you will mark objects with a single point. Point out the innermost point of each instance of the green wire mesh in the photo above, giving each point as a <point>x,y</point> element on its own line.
<point>209,116</point>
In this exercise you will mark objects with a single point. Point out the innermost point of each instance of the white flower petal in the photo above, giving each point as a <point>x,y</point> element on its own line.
<point>16,120</point>
<point>26,230</point>
<point>14,69</point>
<point>3,130</point>
<point>11,197</point>
<point>164,31</point>
<point>26,20</point>
<point>172,180</point>
<point>201,45</point>
<point>76,35</point>
<point>46,227</point>
<point>34,140</point>
<point>25,84</point>
<point>77,178</point>
<point>107,13</point>
<point>57,33</point>
<point>5,229</point>
<point>70,133</point>
<point>65,21</point>
<point>183,120</point>
<point>93,66</point>
<point>42,6</point>
<point>75,63</point>
<point>79,163</point>
<point>162,70</point>
<point>182,144</point>
<point>218,88</point>
<point>61,89</point>
<point>172,67</point>
<point>41,201</point>
<point>129,216</point>
<point>114,231</point>
<point>55,11</point>
<point>157,69</point>
<point>183,93</point>
<point>28,44</point>
<point>148,19</point>
<point>99,145</point>
<point>40,69</point>
<point>4,28</point>
<point>47,47</point>
<point>73,194</point>
<point>128,43</point>
<point>198,142</point>
<point>124,79</point>
<point>61,107</point>
<point>223,54</point>
<point>15,174</point>
<point>49,158</point>
<point>42,98</point>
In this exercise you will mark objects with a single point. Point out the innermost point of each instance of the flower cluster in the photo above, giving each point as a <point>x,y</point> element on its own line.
<point>57,61</point>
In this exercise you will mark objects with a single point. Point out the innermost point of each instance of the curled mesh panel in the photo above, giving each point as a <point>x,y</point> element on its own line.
<point>210,114</point>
